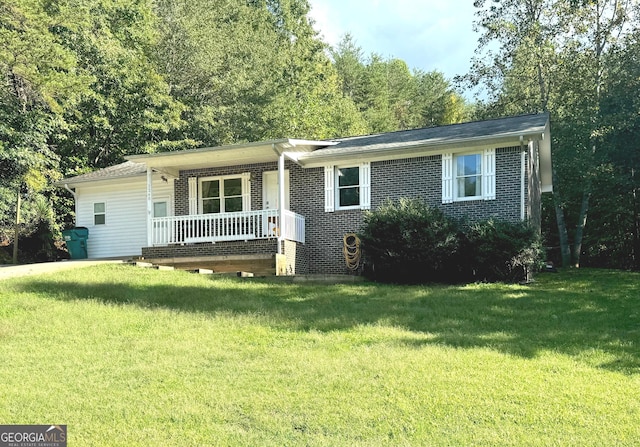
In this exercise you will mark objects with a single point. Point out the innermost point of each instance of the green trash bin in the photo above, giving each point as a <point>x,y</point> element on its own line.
<point>76,240</point>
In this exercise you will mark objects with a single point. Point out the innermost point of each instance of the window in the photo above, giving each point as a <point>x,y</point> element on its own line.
<point>469,176</point>
<point>347,187</point>
<point>99,213</point>
<point>468,182</point>
<point>160,209</point>
<point>221,195</point>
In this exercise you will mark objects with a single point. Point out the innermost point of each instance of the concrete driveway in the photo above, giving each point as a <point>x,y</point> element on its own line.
<point>13,271</point>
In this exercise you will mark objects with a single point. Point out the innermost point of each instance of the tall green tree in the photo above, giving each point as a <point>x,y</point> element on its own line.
<point>613,238</point>
<point>128,107</point>
<point>249,70</point>
<point>390,96</point>
<point>550,58</point>
<point>41,82</point>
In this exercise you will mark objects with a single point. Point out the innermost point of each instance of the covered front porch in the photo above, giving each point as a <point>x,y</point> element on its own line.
<point>224,227</point>
<point>228,200</point>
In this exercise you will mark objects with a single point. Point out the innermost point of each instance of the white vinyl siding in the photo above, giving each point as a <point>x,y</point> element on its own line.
<point>125,232</point>
<point>99,213</point>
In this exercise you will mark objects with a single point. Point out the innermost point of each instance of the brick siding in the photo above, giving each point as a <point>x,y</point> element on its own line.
<point>323,251</point>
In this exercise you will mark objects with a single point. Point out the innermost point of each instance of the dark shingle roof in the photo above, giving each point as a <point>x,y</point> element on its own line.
<point>120,171</point>
<point>518,125</point>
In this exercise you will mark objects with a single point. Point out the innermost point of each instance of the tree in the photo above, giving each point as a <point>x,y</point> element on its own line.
<point>41,81</point>
<point>249,70</point>
<point>128,108</point>
<point>551,59</point>
<point>392,97</point>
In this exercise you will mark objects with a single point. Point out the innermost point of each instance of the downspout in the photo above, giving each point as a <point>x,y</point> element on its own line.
<point>523,176</point>
<point>75,200</point>
<point>73,193</point>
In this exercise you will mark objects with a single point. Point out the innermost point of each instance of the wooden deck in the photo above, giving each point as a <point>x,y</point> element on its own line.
<point>258,264</point>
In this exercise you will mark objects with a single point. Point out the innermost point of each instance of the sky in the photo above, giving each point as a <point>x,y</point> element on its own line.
<point>426,34</point>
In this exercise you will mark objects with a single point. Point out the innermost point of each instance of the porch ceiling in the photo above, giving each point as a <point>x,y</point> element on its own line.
<point>236,154</point>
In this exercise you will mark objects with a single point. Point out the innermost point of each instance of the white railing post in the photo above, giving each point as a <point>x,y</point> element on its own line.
<point>242,226</point>
<point>150,236</point>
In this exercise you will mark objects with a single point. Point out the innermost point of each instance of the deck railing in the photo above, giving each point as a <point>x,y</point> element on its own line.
<point>240,226</point>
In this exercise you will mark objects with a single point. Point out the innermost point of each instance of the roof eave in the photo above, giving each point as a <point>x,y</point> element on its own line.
<point>71,183</point>
<point>316,159</point>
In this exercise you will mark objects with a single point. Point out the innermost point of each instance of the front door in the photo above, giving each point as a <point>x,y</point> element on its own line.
<point>270,190</point>
<point>270,199</point>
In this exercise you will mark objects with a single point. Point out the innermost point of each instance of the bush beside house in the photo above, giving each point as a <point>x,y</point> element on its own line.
<point>409,241</point>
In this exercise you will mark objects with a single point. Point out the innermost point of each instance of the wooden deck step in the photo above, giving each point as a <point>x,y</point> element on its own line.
<point>257,264</point>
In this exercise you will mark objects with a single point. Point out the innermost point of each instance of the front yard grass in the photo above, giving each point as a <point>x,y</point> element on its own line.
<point>134,357</point>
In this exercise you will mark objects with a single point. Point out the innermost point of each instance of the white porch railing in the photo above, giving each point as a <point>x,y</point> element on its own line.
<point>241,226</point>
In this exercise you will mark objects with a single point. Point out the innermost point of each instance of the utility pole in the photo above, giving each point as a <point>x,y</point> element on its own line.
<point>17,230</point>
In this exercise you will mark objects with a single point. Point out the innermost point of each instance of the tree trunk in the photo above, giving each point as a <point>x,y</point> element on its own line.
<point>17,230</point>
<point>563,237</point>
<point>582,222</point>
<point>636,224</point>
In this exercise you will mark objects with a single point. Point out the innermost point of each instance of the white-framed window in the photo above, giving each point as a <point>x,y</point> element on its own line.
<point>160,208</point>
<point>99,213</point>
<point>223,194</point>
<point>468,176</point>
<point>347,187</point>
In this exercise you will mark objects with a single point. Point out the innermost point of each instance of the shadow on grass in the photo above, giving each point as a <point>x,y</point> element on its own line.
<point>575,312</point>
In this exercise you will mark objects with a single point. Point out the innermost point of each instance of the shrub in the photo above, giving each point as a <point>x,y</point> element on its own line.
<point>408,241</point>
<point>497,250</point>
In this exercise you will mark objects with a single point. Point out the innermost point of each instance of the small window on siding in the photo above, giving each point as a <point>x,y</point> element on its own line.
<point>99,213</point>
<point>160,209</point>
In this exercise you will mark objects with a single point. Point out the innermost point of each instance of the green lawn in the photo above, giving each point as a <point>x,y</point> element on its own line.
<point>133,357</point>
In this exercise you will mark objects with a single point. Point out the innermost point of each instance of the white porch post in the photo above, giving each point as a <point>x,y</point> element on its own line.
<point>281,203</point>
<point>149,206</point>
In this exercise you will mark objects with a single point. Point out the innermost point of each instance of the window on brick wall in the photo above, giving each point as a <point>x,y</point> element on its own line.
<point>467,183</point>
<point>223,194</point>
<point>347,187</point>
<point>468,176</point>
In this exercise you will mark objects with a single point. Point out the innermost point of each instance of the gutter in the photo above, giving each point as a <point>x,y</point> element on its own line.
<point>73,193</point>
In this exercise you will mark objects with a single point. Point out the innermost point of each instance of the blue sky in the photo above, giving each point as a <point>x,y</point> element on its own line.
<point>426,34</point>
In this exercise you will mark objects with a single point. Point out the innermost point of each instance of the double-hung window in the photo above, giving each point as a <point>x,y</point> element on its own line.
<point>99,213</point>
<point>221,195</point>
<point>469,176</point>
<point>347,187</point>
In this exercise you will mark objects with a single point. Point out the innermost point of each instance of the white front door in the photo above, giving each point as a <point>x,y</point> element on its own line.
<point>161,229</point>
<point>270,190</point>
